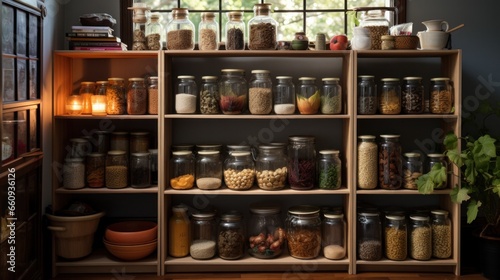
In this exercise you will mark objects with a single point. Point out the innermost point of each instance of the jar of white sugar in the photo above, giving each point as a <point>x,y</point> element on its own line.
<point>186,96</point>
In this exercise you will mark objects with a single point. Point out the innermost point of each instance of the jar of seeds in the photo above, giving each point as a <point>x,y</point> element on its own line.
<point>395,235</point>
<point>329,170</point>
<point>389,102</point>
<point>137,97</point>
<point>186,96</point>
<point>331,96</point>
<point>367,169</point>
<point>209,170</point>
<point>367,95</point>
<point>441,96</point>
<point>263,29</point>
<point>235,31</point>
<point>420,238</point>
<point>95,168</point>
<point>183,170</point>
<point>239,171</point>
<point>209,95</point>
<point>233,90</point>
<point>369,236</point>
<point>203,235</point>
<point>390,163</point>
<point>116,97</point>
<point>180,31</point>
<point>412,98</point>
<point>231,236</point>
<point>441,234</point>
<point>116,170</point>
<point>441,160</point>
<point>140,170</point>
<point>303,231</point>
<point>284,96</point>
<point>153,95</point>
<point>208,32</point>
<point>73,174</point>
<point>271,167</point>
<point>412,169</point>
<point>260,93</point>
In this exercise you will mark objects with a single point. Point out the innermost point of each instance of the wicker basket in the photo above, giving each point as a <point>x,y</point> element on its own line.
<point>408,42</point>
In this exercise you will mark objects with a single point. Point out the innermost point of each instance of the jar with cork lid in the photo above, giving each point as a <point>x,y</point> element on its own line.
<point>262,29</point>
<point>180,31</point>
<point>208,32</point>
<point>235,31</point>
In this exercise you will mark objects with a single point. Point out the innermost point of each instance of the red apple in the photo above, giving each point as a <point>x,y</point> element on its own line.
<point>338,43</point>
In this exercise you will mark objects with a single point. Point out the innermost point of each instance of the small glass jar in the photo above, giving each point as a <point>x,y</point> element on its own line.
<point>233,90</point>
<point>260,93</point>
<point>390,97</point>
<point>367,171</point>
<point>153,95</point>
<point>183,170</point>
<point>116,170</point>
<point>367,95</point>
<point>369,236</point>
<point>334,238</point>
<point>266,233</point>
<point>139,142</point>
<point>395,237</point>
<point>420,238</point>
<point>387,42</point>
<point>119,141</point>
<point>87,90</point>
<point>235,31</point>
<point>308,96</point>
<point>180,31</point>
<point>329,170</point>
<point>301,162</point>
<point>239,171</point>
<point>208,170</point>
<point>303,231</point>
<point>116,97</point>
<point>231,236</point>
<point>262,28</point>
<point>154,166</point>
<point>271,168</point>
<point>208,32</point>
<point>137,97</point>
<point>80,147</point>
<point>186,97</point>
<point>441,234</point>
<point>284,96</point>
<point>203,236</point>
<point>441,96</point>
<point>179,229</point>
<point>99,99</point>
<point>95,168</point>
<point>331,96</point>
<point>412,96</point>
<point>154,33</point>
<point>441,159</point>
<point>140,170</point>
<point>390,163</point>
<point>73,174</point>
<point>209,95</point>
<point>412,169</point>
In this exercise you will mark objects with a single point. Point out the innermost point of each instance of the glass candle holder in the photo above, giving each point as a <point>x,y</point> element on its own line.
<point>74,105</point>
<point>99,105</point>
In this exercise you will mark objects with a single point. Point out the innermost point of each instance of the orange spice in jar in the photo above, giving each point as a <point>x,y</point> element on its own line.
<point>179,232</point>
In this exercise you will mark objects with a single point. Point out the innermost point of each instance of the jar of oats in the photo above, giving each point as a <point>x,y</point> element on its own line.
<point>441,234</point>
<point>441,96</point>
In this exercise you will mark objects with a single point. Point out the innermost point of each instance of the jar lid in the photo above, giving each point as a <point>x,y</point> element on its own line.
<point>439,212</point>
<point>387,37</point>
<point>232,71</point>
<point>262,7</point>
<point>208,152</point>
<point>235,15</point>
<point>435,155</point>
<point>412,78</point>
<point>139,154</point>
<point>209,78</point>
<point>260,71</point>
<point>102,82</point>
<point>307,79</point>
<point>240,153</point>
<point>153,151</point>
<point>87,83</point>
<point>115,79</point>
<point>330,79</point>
<point>390,80</point>
<point>120,133</point>
<point>366,77</point>
<point>95,155</point>
<point>389,136</point>
<point>367,137</point>
<point>231,216</point>
<point>182,153</point>
<point>238,147</point>
<point>185,77</point>
<point>395,217</point>
<point>279,144</point>
<point>139,133</point>
<point>203,215</point>
<point>332,215</point>
<point>155,15</point>
<point>153,77</point>
<point>368,214</point>
<point>136,79</point>
<point>179,208</point>
<point>301,138</point>
<point>116,153</point>
<point>329,152</point>
<point>270,147</point>
<point>284,78</point>
<point>78,140</point>
<point>303,210</point>
<point>179,12</point>
<point>419,218</point>
<point>412,155</point>
<point>440,79</point>
<point>207,15</point>
<point>264,208</point>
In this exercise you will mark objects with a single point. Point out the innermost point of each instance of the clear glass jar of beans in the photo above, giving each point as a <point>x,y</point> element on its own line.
<point>441,96</point>
<point>390,162</point>
<point>116,97</point>
<point>209,95</point>
<point>239,171</point>
<point>440,159</point>
<point>333,235</point>
<point>116,170</point>
<point>395,237</point>
<point>441,234</point>
<point>420,238</point>
<point>331,96</point>
<point>389,102</point>
<point>180,31</point>
<point>271,168</point>
<point>262,28</point>
<point>303,231</point>
<point>231,237</point>
<point>284,96</point>
<point>209,167</point>
<point>367,95</point>
<point>233,90</point>
<point>367,169</point>
<point>208,32</point>
<point>329,170</point>
<point>412,170</point>
<point>183,170</point>
<point>369,236</point>
<point>235,31</point>
<point>266,233</point>
<point>301,162</point>
<point>260,93</point>
<point>186,97</point>
<point>412,96</point>
<point>203,235</point>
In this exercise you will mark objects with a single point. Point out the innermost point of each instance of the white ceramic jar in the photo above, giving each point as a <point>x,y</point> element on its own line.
<point>361,38</point>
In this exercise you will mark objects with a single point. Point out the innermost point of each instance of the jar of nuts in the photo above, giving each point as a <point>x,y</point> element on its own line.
<point>395,235</point>
<point>390,163</point>
<point>441,234</point>
<point>412,169</point>
<point>239,171</point>
<point>303,231</point>
<point>420,238</point>
<point>441,96</point>
<point>271,168</point>
<point>389,102</point>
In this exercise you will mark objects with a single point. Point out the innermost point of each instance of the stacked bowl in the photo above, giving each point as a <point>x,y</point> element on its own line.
<point>131,240</point>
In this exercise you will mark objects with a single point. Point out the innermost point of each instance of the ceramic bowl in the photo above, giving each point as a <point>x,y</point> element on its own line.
<point>131,252</point>
<point>300,45</point>
<point>131,232</point>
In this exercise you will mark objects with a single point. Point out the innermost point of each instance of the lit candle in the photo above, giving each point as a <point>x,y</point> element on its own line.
<point>99,105</point>
<point>74,105</point>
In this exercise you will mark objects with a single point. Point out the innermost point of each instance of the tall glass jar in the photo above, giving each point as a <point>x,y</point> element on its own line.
<point>263,29</point>
<point>203,235</point>
<point>119,141</point>
<point>80,147</point>
<point>140,170</point>
<point>367,95</point>
<point>73,173</point>
<point>395,237</point>
<point>179,232</point>
<point>369,236</point>
<point>412,169</point>
<point>154,33</point>
<point>233,90</point>
<point>271,168</point>
<point>139,20</point>
<point>183,170</point>
<point>266,232</point>
<point>209,95</point>
<point>301,162</point>
<point>116,97</point>
<point>284,96</point>
<point>186,96</point>
<point>367,171</point>
<point>390,162</point>
<point>235,31</point>
<point>331,96</point>
<point>441,234</point>
<point>231,236</point>
<point>303,231</point>
<point>101,141</point>
<point>389,102</point>
<point>420,238</point>
<point>209,170</point>
<point>137,97</point>
<point>239,171</point>
<point>87,90</point>
<point>154,166</point>
<point>139,142</point>
<point>260,93</point>
<point>95,168</point>
<point>116,170</point>
<point>412,98</point>
<point>334,239</point>
<point>99,98</point>
<point>441,96</point>
<point>180,31</point>
<point>441,159</point>
<point>153,95</point>
<point>374,19</point>
<point>329,170</point>
<point>308,96</point>
<point>208,32</point>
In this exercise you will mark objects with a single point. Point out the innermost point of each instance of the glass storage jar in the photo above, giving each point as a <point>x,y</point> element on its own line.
<point>367,95</point>
<point>412,96</point>
<point>329,170</point>
<point>95,168</point>
<point>303,231</point>
<point>260,93</point>
<point>101,141</point>
<point>390,162</point>
<point>334,239</point>
<point>412,169</point>
<point>266,233</point>
<point>441,234</point>
<point>80,147</point>
<point>99,99</point>
<point>308,96</point>
<point>186,97</point>
<point>239,171</point>
<point>441,159</point>
<point>180,31</point>
<point>395,237</point>
<point>73,173</point>
<point>139,20</point>
<point>284,96</point>
<point>119,141</point>
<point>374,18</point>
<point>271,168</point>
<point>183,170</point>
<point>137,97</point>
<point>153,95</point>
<point>262,29</point>
<point>231,236</point>
<point>140,170</point>
<point>154,33</point>
<point>179,229</point>
<point>208,170</point>
<point>233,90</point>
<point>208,32</point>
<point>441,96</point>
<point>87,90</point>
<point>203,235</point>
<point>367,171</point>
<point>369,236</point>
<point>209,95</point>
<point>116,170</point>
<point>154,166</point>
<point>235,31</point>
<point>420,238</point>
<point>331,96</point>
<point>390,97</point>
<point>139,142</point>
<point>301,162</point>
<point>116,97</point>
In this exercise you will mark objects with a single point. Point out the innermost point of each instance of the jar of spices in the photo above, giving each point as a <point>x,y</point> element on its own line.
<point>441,159</point>
<point>153,95</point>
<point>301,162</point>
<point>369,236</point>
<point>95,168</point>
<point>260,93</point>
<point>390,97</point>
<point>186,96</point>
<point>266,232</point>
<point>80,147</point>
<point>116,170</point>
<point>154,33</point>
<point>209,170</point>
<point>303,231</point>
<point>233,90</point>
<point>441,234</point>
<point>441,96</point>
<point>179,229</point>
<point>308,96</point>
<point>180,31</point>
<point>183,170</point>
<point>387,42</point>
<point>412,169</point>
<point>73,173</point>
<point>395,237</point>
<point>119,141</point>
<point>367,162</point>
<point>262,29</point>
<point>239,171</point>
<point>209,95</point>
<point>367,95</point>
<point>116,97</point>
<point>137,97</point>
<point>390,162</point>
<point>412,95</point>
<point>231,236</point>
<point>329,170</point>
<point>331,96</point>
<point>154,166</point>
<point>420,238</point>
<point>99,98</point>
<point>203,235</point>
<point>334,239</point>
<point>271,167</point>
<point>284,96</point>
<point>235,31</point>
<point>87,90</point>
<point>140,170</point>
<point>208,32</point>
<point>139,142</point>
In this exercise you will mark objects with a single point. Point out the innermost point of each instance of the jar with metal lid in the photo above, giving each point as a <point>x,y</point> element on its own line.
<point>412,96</point>
<point>119,141</point>
<point>179,232</point>
<point>367,171</point>
<point>95,168</point>
<point>203,235</point>
<point>374,18</point>
<point>367,95</point>
<point>237,148</point>
<point>186,97</point>
<point>208,147</point>
<point>308,96</point>
<point>183,166</point>
<point>98,99</point>
<point>209,170</point>
<point>87,90</point>
<point>80,147</point>
<point>231,236</point>
<point>387,42</point>
<point>154,166</point>
<point>390,162</point>
<point>180,31</point>
<point>412,169</point>
<point>260,93</point>
<point>329,170</point>
<point>441,159</point>
<point>140,170</point>
<point>262,28</point>
<point>139,142</point>
<point>235,31</point>
<point>239,171</point>
<point>73,173</point>
<point>395,237</point>
<point>441,234</point>
<point>266,233</point>
<point>271,168</point>
<point>301,162</point>
<point>153,95</point>
<point>369,236</point>
<point>233,90</point>
<point>284,96</point>
<point>441,96</point>
<point>116,170</point>
<point>116,97</point>
<point>209,95</point>
<point>208,32</point>
<point>137,97</point>
<point>154,32</point>
<point>183,147</point>
<point>389,102</point>
<point>331,96</point>
<point>334,239</point>
<point>303,231</point>
<point>420,238</point>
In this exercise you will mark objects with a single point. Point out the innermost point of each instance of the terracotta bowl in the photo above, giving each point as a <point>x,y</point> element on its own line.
<point>131,232</point>
<point>131,252</point>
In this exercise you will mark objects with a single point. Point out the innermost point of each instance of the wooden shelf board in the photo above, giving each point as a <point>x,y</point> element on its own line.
<point>249,53</point>
<point>253,117</point>
<point>114,117</point>
<point>405,53</point>
<point>257,191</point>
<point>432,262</point>
<point>400,191</point>
<point>409,116</point>
<point>152,190</point>
<point>107,54</point>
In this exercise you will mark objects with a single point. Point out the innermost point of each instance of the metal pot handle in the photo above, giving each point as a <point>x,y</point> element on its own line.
<point>52,228</point>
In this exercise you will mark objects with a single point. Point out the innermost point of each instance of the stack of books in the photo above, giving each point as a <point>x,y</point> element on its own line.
<point>94,38</point>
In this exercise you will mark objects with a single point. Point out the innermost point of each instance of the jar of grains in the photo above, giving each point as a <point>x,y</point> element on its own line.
<point>369,235</point>
<point>186,96</point>
<point>183,170</point>
<point>390,162</point>
<point>303,231</point>
<point>87,90</point>
<point>154,166</point>
<point>233,90</point>
<point>179,229</point>
<point>367,162</point>
<point>208,32</point>
<point>95,167</point>
<point>203,235</point>
<point>395,237</point>
<point>153,95</point>
<point>441,234</point>
<point>139,142</point>
<point>73,173</point>
<point>116,97</point>
<point>284,96</point>
<point>209,95</point>
<point>329,170</point>
<point>271,167</point>
<point>412,98</point>
<point>443,164</point>
<point>80,147</point>
<point>154,33</point>
<point>119,141</point>
<point>239,171</point>
<point>231,236</point>
<point>331,96</point>
<point>139,20</point>
<point>180,31</point>
<point>235,31</point>
<point>301,162</point>
<point>308,96</point>
<point>334,241</point>
<point>208,170</point>
<point>441,96</point>
<point>262,29</point>
<point>260,93</point>
<point>99,98</point>
<point>412,169</point>
<point>140,170</point>
<point>375,20</point>
<point>137,97</point>
<point>116,170</point>
<point>389,102</point>
<point>367,95</point>
<point>420,238</point>
<point>266,233</point>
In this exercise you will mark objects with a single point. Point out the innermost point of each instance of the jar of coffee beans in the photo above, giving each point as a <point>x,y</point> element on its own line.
<point>263,29</point>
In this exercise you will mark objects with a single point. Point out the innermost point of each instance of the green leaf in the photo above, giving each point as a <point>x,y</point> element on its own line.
<point>487,146</point>
<point>425,184</point>
<point>459,195</point>
<point>470,172</point>
<point>455,157</point>
<point>496,186</point>
<point>472,210</point>
<point>450,141</point>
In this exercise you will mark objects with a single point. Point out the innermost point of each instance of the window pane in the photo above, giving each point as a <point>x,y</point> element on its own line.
<point>160,4</point>
<point>237,5</point>
<point>287,4</point>
<point>288,24</point>
<point>200,5</point>
<point>323,22</point>
<point>366,3</point>
<point>325,5</point>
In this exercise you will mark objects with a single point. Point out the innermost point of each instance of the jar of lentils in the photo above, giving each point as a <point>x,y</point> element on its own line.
<point>209,170</point>
<point>239,171</point>
<point>209,95</point>
<point>284,96</point>
<point>390,163</point>
<point>441,96</point>
<point>116,170</point>
<point>367,162</point>
<point>271,167</point>
<point>301,162</point>
<point>331,96</point>
<point>116,97</point>
<point>420,238</point>
<point>395,237</point>
<point>390,97</point>
<point>233,90</point>
<point>367,95</point>
<point>260,93</point>
<point>303,231</point>
<point>441,234</point>
<point>412,98</point>
<point>412,169</point>
<point>137,97</point>
<point>329,170</point>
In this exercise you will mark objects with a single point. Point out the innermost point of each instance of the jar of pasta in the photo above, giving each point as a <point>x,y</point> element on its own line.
<point>303,228</point>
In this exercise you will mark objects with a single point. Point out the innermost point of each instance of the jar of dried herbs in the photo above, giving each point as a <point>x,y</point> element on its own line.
<point>262,29</point>
<point>331,96</point>
<point>301,162</point>
<point>329,170</point>
<point>180,31</point>
<point>209,95</point>
<point>303,231</point>
<point>231,236</point>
